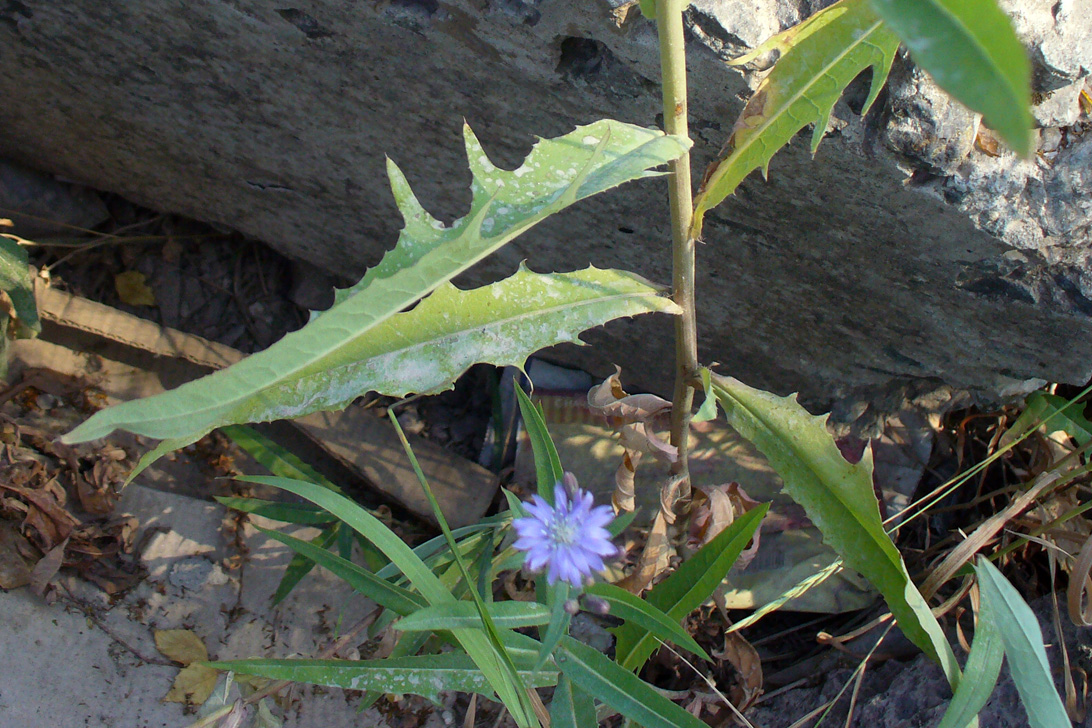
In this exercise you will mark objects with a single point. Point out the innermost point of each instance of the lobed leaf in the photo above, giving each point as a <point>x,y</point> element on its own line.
<point>970,49</point>
<point>689,586</point>
<point>1024,648</point>
<point>327,364</point>
<point>819,59</point>
<point>839,499</point>
<point>425,675</point>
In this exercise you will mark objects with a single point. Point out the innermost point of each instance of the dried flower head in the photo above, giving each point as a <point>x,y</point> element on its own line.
<point>569,537</point>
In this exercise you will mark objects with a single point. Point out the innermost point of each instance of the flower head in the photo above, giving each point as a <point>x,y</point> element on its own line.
<point>569,537</point>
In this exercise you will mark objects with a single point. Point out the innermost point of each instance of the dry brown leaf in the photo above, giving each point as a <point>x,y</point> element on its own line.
<point>745,658</point>
<point>132,289</point>
<point>714,509</point>
<point>44,571</point>
<point>653,559</point>
<point>1080,585</point>
<point>193,685</point>
<point>15,568</point>
<point>180,645</point>
<point>633,416</point>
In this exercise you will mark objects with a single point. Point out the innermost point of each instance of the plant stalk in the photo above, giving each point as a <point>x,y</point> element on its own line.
<point>673,76</point>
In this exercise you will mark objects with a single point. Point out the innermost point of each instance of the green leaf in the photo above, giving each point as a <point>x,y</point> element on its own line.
<point>558,625</point>
<point>380,591</point>
<point>1024,648</point>
<point>431,587</point>
<point>689,586</point>
<point>274,458</point>
<point>633,609</point>
<point>355,347</point>
<point>15,281</point>
<point>839,499</point>
<point>425,675</point>
<point>547,463</point>
<point>1055,414</point>
<point>979,674</point>
<point>298,513</point>
<point>818,60</point>
<point>300,566</point>
<point>458,615</point>
<point>971,50</point>
<point>598,675</point>
<point>571,707</point>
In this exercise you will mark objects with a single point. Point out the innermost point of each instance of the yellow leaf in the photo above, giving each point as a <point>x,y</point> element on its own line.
<point>181,645</point>
<point>193,685</point>
<point>133,290</point>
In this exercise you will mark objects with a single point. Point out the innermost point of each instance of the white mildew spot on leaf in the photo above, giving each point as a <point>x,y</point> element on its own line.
<point>590,141</point>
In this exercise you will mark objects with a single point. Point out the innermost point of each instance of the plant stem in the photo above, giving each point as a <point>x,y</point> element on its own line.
<point>673,77</point>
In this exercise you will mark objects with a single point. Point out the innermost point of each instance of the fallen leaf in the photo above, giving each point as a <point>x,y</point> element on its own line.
<point>744,657</point>
<point>193,685</point>
<point>14,567</point>
<point>133,290</point>
<point>181,645</point>
<point>46,568</point>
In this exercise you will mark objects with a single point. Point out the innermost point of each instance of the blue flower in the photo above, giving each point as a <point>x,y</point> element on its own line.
<point>569,537</point>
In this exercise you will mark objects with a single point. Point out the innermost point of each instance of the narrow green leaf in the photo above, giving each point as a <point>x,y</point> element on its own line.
<point>598,675</point>
<point>15,281</point>
<point>689,586</point>
<point>300,566</point>
<point>558,624</point>
<point>497,667</point>
<point>425,675</point>
<point>571,707</point>
<point>818,60</point>
<point>633,609</point>
<point>431,587</point>
<point>979,674</point>
<point>1024,648</point>
<point>274,458</point>
<point>464,615</point>
<point>380,591</point>
<point>298,513</point>
<point>971,50</point>
<point>622,521</point>
<point>326,364</point>
<point>839,499</point>
<point>547,463</point>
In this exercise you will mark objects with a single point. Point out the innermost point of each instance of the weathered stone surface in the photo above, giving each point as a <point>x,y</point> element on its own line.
<point>902,255</point>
